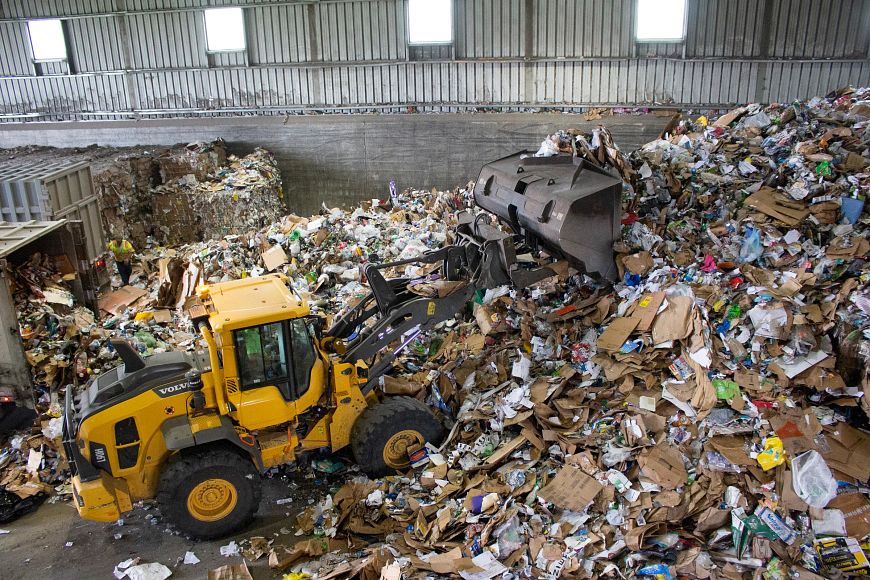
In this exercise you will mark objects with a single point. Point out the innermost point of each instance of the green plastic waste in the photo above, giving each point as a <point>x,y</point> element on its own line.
<point>726,389</point>
<point>824,168</point>
<point>734,311</point>
<point>146,338</point>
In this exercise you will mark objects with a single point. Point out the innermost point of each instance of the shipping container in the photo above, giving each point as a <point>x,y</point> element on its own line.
<point>63,242</point>
<point>53,191</point>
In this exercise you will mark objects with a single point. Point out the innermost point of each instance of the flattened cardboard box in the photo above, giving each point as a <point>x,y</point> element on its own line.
<point>571,489</point>
<point>856,509</point>
<point>646,308</point>
<point>850,451</point>
<point>797,429</point>
<point>639,263</point>
<point>274,257</point>
<point>663,464</point>
<point>118,301</point>
<point>674,323</point>
<point>617,333</point>
<point>768,201</point>
<point>230,572</point>
<point>733,448</point>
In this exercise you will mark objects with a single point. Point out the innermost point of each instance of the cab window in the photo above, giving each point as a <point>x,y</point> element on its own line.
<point>304,356</point>
<point>262,354</point>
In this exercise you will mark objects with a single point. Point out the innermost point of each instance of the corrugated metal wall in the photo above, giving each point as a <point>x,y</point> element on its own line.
<point>132,58</point>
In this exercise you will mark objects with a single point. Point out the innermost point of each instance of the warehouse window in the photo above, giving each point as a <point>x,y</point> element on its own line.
<point>47,40</point>
<point>660,20</point>
<point>430,21</point>
<point>225,29</point>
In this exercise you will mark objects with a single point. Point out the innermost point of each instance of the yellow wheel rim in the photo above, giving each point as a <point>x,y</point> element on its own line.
<point>396,449</point>
<point>212,500</point>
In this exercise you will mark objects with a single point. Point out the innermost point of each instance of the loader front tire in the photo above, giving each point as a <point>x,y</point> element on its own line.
<point>382,434</point>
<point>209,494</point>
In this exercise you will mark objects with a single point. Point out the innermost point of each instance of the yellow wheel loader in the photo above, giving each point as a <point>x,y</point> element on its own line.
<point>196,430</point>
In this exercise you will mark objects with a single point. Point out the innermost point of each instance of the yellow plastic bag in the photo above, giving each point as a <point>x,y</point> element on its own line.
<point>773,454</point>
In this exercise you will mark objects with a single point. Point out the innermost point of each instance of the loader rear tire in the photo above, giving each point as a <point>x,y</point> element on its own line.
<point>381,435</point>
<point>210,493</point>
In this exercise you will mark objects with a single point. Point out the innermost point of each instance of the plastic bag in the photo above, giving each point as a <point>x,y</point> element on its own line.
<point>751,249</point>
<point>549,147</point>
<point>509,536</point>
<point>802,340</point>
<point>813,481</point>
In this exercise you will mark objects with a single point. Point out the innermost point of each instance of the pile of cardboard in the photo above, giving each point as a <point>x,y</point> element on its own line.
<point>240,196</point>
<point>705,417</point>
<point>125,184</point>
<point>183,194</point>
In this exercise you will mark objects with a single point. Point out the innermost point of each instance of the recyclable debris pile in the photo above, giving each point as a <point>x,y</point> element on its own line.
<point>61,341</point>
<point>188,194</point>
<point>702,418</point>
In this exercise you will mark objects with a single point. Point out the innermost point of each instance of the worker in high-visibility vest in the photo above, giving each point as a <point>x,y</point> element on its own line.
<point>123,252</point>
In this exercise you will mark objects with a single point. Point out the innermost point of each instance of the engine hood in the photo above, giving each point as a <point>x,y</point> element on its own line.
<point>164,371</point>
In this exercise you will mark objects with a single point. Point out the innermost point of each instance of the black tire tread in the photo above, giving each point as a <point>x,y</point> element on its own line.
<point>179,470</point>
<point>381,419</point>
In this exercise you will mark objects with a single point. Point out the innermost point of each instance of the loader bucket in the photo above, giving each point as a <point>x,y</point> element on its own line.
<point>564,204</point>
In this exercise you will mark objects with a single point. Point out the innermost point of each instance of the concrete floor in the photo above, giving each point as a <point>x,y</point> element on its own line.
<point>36,545</point>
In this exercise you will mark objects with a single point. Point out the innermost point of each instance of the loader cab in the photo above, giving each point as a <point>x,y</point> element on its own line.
<point>272,367</point>
<point>277,353</point>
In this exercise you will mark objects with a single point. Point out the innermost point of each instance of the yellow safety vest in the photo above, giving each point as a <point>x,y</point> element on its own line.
<point>122,252</point>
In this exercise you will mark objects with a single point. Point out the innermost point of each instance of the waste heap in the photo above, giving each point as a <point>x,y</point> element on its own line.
<point>703,418</point>
<point>178,195</point>
<point>61,340</point>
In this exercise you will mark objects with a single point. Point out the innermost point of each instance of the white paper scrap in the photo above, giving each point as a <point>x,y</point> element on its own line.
<point>150,571</point>
<point>34,460</point>
<point>231,549</point>
<point>802,363</point>
<point>791,237</point>
<point>647,403</point>
<point>521,368</point>
<point>491,567</point>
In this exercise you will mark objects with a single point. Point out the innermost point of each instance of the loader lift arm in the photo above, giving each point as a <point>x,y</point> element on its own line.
<point>484,258</point>
<point>563,204</point>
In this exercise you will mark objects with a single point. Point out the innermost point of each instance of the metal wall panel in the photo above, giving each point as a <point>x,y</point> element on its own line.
<point>168,40</point>
<point>806,28</point>
<point>63,96</point>
<point>94,44</point>
<point>583,28</point>
<point>149,58</point>
<point>725,28</point>
<point>278,34</point>
<point>15,47</point>
<point>53,8</point>
<point>490,28</point>
<point>361,30</point>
